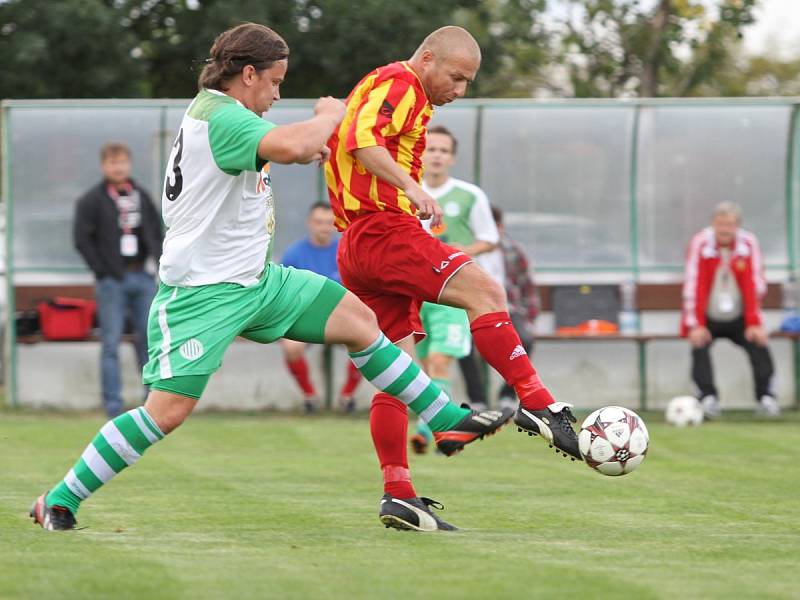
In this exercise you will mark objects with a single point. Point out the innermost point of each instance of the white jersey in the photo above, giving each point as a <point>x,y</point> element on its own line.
<point>217,202</point>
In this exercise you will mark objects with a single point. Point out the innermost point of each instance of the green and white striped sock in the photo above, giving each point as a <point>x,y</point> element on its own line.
<point>391,370</point>
<point>119,444</point>
<point>422,426</point>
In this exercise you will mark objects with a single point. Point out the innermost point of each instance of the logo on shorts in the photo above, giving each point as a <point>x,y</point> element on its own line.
<point>191,350</point>
<point>442,266</point>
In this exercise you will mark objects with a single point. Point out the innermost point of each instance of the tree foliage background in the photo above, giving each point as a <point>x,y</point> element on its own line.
<point>596,48</point>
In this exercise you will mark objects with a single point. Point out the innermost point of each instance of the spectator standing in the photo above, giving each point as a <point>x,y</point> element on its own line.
<point>116,230</point>
<point>316,252</point>
<point>722,291</point>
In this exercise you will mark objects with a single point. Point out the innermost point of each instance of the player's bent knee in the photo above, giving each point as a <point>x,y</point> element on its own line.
<point>495,296</point>
<point>352,323</point>
<point>475,291</point>
<point>487,296</point>
<point>364,323</point>
<point>168,410</point>
<point>293,350</point>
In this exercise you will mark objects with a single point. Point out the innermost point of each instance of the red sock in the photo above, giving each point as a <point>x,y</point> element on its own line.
<point>499,344</point>
<point>352,381</point>
<point>299,370</point>
<point>388,422</point>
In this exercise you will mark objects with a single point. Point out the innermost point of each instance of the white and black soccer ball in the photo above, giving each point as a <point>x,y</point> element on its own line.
<point>684,410</point>
<point>613,440</point>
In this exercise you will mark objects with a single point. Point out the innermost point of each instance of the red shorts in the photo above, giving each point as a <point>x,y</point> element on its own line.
<point>392,264</point>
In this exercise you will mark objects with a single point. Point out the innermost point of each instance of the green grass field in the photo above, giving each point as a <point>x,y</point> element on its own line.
<point>286,507</point>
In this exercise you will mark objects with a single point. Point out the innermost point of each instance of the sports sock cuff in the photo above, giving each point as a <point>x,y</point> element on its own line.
<point>380,341</point>
<point>532,393</point>
<point>396,473</point>
<point>150,421</point>
<point>490,320</point>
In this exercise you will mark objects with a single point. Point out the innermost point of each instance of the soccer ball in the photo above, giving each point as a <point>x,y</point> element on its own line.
<point>613,440</point>
<point>684,410</point>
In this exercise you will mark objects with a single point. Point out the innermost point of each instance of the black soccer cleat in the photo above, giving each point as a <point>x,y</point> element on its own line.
<point>475,426</point>
<point>52,518</point>
<point>553,424</point>
<point>412,514</point>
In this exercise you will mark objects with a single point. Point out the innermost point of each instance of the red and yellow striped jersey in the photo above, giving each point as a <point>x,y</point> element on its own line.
<point>387,108</point>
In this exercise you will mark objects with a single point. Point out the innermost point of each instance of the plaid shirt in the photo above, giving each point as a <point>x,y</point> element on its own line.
<point>520,289</point>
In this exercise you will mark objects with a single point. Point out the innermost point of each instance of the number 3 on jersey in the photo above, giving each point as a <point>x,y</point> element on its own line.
<point>173,189</point>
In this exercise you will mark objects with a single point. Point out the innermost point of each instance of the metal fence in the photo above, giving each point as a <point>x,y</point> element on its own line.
<point>614,187</point>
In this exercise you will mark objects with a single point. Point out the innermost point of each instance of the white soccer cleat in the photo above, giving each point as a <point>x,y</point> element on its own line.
<point>768,406</point>
<point>711,407</point>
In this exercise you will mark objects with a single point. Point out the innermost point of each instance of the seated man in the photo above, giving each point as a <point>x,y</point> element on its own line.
<point>316,252</point>
<point>722,291</point>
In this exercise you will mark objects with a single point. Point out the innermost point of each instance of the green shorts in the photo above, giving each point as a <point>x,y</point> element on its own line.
<point>447,329</point>
<point>190,328</point>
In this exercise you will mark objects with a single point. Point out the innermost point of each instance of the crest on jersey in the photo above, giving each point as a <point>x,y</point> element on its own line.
<point>452,209</point>
<point>264,182</point>
<point>265,187</point>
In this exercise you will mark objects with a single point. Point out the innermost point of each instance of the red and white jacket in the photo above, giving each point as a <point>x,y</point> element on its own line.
<point>702,261</point>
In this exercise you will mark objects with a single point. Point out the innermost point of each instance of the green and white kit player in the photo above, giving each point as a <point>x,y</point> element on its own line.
<point>216,282</point>
<point>467,224</point>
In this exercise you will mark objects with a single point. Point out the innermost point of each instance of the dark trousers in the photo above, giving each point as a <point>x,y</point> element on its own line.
<point>473,374</point>
<point>760,359</point>
<point>117,299</point>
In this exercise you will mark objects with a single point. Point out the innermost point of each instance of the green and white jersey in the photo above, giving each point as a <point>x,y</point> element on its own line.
<point>217,202</point>
<point>467,214</point>
<point>467,218</point>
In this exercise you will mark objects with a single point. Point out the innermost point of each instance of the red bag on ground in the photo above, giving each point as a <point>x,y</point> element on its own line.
<point>66,318</point>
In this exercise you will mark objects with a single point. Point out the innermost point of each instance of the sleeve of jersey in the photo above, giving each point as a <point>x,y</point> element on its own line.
<point>481,220</point>
<point>384,112</point>
<point>234,134</point>
<point>691,283</point>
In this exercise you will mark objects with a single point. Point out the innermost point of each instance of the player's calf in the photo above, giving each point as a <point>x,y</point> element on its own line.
<point>119,444</point>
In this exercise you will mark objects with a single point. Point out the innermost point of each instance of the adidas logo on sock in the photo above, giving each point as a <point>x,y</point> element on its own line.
<point>517,352</point>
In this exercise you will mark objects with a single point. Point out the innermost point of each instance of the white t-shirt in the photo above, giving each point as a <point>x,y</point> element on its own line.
<point>217,202</point>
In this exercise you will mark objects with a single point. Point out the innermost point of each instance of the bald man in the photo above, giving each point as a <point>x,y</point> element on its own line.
<point>389,261</point>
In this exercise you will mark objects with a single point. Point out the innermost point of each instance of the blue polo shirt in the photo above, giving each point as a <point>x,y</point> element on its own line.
<point>302,254</point>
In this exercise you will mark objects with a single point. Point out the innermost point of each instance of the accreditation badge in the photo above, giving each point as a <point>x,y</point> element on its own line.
<point>725,303</point>
<point>128,245</point>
